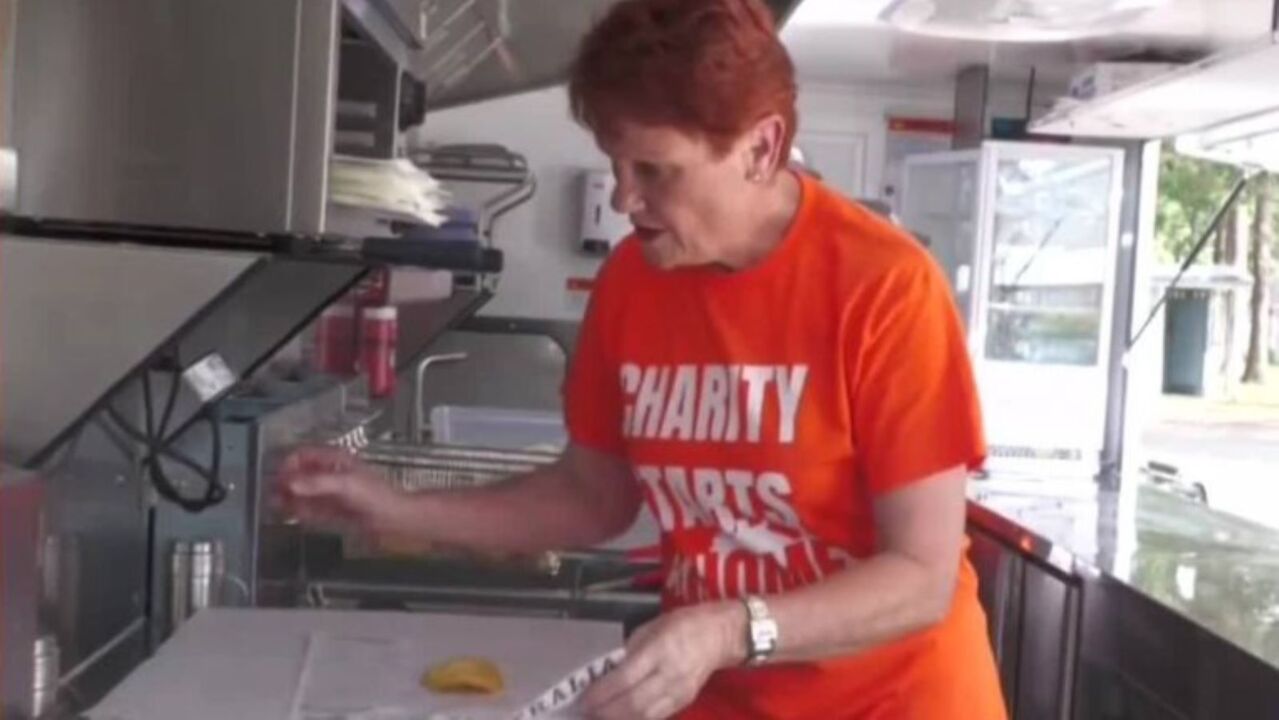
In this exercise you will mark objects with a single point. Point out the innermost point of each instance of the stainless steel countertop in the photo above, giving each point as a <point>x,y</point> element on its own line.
<point>1218,571</point>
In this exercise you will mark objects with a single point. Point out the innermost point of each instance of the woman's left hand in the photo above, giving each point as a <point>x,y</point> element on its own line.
<point>667,663</point>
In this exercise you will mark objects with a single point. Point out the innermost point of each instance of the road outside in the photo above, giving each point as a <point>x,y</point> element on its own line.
<point>1230,446</point>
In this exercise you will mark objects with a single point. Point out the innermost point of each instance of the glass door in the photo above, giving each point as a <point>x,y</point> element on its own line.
<point>939,206</point>
<point>1040,342</point>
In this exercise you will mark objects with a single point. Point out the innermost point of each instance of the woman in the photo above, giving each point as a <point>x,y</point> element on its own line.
<point>779,373</point>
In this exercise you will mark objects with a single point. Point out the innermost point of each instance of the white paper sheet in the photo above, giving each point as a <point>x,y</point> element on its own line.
<point>254,664</point>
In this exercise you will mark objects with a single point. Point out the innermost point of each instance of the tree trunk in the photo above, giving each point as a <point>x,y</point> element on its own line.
<point>1259,307</point>
<point>1230,236</point>
<point>1234,235</point>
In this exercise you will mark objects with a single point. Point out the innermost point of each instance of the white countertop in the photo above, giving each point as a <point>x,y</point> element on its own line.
<point>259,664</point>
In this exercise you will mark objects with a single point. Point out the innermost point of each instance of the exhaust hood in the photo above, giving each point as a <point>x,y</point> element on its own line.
<point>480,49</point>
<point>1251,142</point>
<point>1015,20</point>
<point>1222,105</point>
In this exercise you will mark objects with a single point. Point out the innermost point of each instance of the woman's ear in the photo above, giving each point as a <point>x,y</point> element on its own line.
<point>763,151</point>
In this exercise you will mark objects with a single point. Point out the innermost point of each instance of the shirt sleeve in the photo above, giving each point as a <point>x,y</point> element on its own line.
<point>592,390</point>
<point>914,403</point>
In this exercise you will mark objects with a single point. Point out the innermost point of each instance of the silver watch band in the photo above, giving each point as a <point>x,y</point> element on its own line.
<point>761,630</point>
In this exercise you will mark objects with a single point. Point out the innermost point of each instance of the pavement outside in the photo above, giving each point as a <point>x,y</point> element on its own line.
<point>1230,446</point>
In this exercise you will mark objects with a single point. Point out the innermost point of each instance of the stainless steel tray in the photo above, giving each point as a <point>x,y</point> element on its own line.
<point>417,468</point>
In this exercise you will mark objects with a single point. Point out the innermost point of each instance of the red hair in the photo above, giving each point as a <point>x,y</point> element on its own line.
<point>710,68</point>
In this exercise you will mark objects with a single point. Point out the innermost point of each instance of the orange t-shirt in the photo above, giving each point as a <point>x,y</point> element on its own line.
<point>763,411</point>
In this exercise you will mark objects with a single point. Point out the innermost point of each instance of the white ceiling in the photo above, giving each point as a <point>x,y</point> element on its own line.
<point>871,52</point>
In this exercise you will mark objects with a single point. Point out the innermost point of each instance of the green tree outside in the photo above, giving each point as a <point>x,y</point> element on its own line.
<point>1190,192</point>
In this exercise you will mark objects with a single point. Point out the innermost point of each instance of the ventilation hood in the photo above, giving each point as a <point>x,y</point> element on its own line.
<point>1015,20</point>
<point>475,50</point>
<point>1224,107</point>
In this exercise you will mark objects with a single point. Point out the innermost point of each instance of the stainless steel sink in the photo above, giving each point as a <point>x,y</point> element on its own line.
<point>592,586</point>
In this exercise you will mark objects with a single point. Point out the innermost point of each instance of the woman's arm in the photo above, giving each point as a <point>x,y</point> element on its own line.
<point>907,586</point>
<point>583,498</point>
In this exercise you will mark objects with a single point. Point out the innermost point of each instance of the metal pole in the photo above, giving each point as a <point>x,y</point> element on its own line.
<point>1241,184</point>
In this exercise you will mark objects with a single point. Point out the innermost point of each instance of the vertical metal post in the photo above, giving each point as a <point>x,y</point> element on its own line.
<point>972,89</point>
<point>1130,229</point>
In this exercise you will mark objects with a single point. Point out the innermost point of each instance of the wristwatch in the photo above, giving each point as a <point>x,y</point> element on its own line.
<point>761,631</point>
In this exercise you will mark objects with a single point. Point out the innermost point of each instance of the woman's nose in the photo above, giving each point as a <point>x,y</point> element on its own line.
<point>625,200</point>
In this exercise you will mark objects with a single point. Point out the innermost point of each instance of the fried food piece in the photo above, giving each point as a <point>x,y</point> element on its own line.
<point>466,675</point>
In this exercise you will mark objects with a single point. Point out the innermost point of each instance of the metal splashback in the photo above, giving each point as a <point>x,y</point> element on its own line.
<point>21,497</point>
<point>186,113</point>
<point>223,113</point>
<point>481,49</point>
<point>76,317</point>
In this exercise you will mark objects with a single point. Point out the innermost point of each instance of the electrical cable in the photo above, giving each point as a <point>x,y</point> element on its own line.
<point>1245,177</point>
<point>159,446</point>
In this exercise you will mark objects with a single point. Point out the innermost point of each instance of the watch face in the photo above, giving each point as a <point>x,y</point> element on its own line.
<point>763,636</point>
<point>762,631</point>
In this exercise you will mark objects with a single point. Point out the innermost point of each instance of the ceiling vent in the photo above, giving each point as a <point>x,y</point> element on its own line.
<point>1015,20</point>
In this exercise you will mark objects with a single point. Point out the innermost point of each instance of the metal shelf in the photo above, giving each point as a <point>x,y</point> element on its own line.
<point>437,255</point>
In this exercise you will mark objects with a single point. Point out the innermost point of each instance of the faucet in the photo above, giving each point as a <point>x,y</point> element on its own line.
<point>417,421</point>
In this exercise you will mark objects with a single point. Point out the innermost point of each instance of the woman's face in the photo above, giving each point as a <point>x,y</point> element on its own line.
<point>680,196</point>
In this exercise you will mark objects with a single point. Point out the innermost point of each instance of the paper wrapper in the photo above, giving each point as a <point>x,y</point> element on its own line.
<point>559,698</point>
<point>556,703</point>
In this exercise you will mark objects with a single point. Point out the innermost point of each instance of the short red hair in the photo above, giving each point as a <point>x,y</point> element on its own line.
<point>710,68</point>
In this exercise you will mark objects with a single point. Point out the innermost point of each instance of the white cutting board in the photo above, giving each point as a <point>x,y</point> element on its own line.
<point>259,664</point>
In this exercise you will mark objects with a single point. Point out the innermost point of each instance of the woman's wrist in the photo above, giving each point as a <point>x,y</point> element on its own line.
<point>731,621</point>
<point>403,514</point>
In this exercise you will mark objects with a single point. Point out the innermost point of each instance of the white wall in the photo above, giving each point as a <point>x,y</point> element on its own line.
<point>1007,97</point>
<point>862,110</point>
<point>6,67</point>
<point>539,238</point>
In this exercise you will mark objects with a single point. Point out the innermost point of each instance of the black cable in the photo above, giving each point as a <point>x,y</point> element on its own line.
<point>146,400</point>
<point>1030,93</point>
<point>151,463</point>
<point>159,446</point>
<point>148,602</point>
<point>140,438</point>
<point>168,407</point>
<point>1245,176</point>
<point>213,490</point>
<point>1048,236</point>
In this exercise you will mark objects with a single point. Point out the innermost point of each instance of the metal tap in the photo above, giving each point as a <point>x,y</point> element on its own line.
<point>417,422</point>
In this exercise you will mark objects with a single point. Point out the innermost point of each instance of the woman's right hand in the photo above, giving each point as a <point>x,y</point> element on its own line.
<point>328,487</point>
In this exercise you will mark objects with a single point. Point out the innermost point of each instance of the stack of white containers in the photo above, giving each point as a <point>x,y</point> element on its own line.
<point>390,189</point>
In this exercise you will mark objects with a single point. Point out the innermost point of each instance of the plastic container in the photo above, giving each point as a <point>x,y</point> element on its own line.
<point>335,341</point>
<point>502,428</point>
<point>379,329</point>
<point>8,180</point>
<point>375,288</point>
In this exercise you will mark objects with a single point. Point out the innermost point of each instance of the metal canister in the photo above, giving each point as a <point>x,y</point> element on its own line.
<point>198,571</point>
<point>208,572</point>
<point>44,676</point>
<point>379,329</point>
<point>8,180</point>
<point>179,584</point>
<point>335,340</point>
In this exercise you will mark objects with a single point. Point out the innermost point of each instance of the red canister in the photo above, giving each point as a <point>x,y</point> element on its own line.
<point>375,288</point>
<point>335,346</point>
<point>379,328</point>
